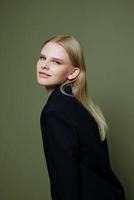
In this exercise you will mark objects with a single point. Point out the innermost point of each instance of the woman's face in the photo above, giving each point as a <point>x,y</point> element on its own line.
<point>54,66</point>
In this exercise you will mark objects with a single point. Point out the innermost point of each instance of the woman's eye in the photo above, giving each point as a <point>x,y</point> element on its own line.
<point>57,62</point>
<point>42,58</point>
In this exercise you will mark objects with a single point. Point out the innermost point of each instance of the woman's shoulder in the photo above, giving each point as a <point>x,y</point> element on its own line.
<point>67,105</point>
<point>69,109</point>
<point>60,100</point>
<point>62,104</point>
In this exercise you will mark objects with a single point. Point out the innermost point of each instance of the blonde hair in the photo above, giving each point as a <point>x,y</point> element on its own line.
<point>79,84</point>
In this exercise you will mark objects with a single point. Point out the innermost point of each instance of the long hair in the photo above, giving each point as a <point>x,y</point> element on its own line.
<point>79,84</point>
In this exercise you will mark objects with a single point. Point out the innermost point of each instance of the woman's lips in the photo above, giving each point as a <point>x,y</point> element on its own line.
<point>44,75</point>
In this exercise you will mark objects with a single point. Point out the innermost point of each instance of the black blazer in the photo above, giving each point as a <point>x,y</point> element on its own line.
<point>77,161</point>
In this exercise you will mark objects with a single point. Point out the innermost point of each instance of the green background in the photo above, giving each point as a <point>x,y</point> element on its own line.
<point>105,30</point>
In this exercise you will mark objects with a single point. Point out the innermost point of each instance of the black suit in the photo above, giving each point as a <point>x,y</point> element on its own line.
<point>78,162</point>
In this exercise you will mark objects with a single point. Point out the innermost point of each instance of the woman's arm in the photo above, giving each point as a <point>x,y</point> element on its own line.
<point>61,151</point>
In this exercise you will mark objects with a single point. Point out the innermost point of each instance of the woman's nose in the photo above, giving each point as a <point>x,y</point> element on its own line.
<point>44,65</point>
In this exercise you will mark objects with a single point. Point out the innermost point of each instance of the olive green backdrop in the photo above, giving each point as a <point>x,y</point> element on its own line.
<point>105,30</point>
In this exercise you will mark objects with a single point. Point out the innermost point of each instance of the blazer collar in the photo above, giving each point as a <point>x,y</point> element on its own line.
<point>67,89</point>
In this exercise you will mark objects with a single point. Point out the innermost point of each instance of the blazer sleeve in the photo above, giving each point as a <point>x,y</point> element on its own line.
<point>61,152</point>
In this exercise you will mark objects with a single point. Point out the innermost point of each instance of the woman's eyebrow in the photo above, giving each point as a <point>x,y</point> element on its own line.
<point>52,57</point>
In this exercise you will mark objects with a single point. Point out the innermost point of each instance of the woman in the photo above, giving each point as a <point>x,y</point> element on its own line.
<point>73,127</point>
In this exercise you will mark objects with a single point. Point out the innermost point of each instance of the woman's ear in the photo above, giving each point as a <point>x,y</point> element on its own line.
<point>74,73</point>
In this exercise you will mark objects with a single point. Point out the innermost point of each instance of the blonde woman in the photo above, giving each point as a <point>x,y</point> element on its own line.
<point>73,127</point>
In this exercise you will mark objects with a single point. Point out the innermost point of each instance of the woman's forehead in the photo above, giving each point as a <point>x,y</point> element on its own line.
<point>53,49</point>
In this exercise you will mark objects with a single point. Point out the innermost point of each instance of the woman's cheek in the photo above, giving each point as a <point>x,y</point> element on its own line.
<point>55,69</point>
